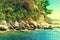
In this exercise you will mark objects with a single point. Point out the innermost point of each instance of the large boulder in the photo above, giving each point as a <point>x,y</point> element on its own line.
<point>10,28</point>
<point>23,27</point>
<point>2,29</point>
<point>16,27</point>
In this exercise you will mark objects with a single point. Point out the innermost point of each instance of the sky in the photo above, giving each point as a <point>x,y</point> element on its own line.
<point>55,6</point>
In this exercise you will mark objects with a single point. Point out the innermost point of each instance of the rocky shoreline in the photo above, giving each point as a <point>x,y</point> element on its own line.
<point>27,26</point>
<point>16,28</point>
<point>23,28</point>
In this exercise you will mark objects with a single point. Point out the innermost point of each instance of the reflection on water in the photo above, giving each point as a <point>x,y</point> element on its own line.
<point>32,35</point>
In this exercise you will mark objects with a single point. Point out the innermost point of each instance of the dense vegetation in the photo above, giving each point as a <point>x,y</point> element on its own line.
<point>17,10</point>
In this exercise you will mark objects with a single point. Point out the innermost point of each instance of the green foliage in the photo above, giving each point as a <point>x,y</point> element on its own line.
<point>49,11</point>
<point>12,10</point>
<point>2,16</point>
<point>42,4</point>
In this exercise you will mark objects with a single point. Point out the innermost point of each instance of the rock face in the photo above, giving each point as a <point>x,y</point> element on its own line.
<point>10,28</point>
<point>23,27</point>
<point>38,27</point>
<point>16,27</point>
<point>50,27</point>
<point>29,25</point>
<point>2,29</point>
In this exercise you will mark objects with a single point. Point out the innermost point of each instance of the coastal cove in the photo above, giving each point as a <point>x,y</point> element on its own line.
<point>29,20</point>
<point>25,15</point>
<point>32,35</point>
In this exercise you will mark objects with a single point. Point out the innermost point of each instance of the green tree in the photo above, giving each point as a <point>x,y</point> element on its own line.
<point>42,5</point>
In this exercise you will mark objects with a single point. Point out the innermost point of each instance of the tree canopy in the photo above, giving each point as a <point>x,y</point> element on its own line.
<point>16,11</point>
<point>42,4</point>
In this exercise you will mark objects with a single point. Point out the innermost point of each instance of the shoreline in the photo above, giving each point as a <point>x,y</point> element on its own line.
<point>27,27</point>
<point>26,30</point>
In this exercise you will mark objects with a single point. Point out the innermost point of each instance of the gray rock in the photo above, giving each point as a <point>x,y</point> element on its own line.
<point>2,29</point>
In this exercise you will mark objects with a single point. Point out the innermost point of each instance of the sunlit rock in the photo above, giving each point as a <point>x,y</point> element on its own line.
<point>3,28</point>
<point>16,23</point>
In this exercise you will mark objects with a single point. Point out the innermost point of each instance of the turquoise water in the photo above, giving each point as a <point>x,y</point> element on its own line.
<point>31,35</point>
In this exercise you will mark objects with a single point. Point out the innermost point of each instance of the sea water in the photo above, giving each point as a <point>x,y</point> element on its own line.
<point>31,35</point>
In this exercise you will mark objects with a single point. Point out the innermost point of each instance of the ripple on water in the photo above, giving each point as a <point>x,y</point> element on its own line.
<point>31,35</point>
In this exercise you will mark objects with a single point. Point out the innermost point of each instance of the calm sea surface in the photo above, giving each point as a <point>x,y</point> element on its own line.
<point>32,35</point>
